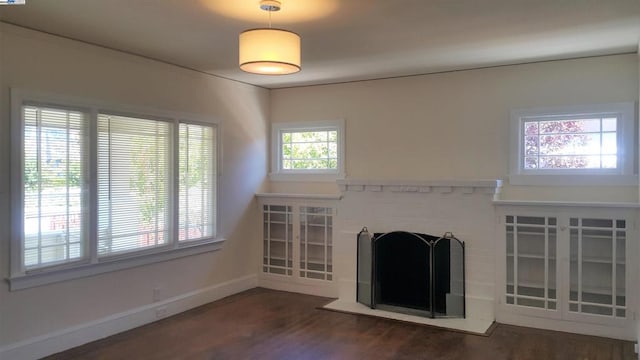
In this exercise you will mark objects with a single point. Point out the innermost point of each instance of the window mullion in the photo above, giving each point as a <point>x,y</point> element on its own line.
<point>157,200</point>
<point>39,167</point>
<point>187,161</point>
<point>67,181</point>
<point>110,186</point>
<point>203,173</point>
<point>93,187</point>
<point>175,205</point>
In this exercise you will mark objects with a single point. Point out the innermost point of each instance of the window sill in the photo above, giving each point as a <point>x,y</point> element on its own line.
<point>574,180</point>
<point>45,277</point>
<point>307,177</point>
<point>299,196</point>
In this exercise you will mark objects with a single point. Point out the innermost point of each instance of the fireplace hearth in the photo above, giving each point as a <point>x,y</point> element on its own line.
<point>412,273</point>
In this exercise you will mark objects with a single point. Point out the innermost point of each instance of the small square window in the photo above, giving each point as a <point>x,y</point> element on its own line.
<point>308,151</point>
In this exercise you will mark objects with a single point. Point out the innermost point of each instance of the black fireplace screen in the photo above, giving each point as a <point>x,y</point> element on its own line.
<point>412,273</point>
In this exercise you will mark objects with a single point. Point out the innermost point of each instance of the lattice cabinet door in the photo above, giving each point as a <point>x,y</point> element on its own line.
<point>316,242</point>
<point>597,267</point>
<point>278,239</point>
<point>532,262</point>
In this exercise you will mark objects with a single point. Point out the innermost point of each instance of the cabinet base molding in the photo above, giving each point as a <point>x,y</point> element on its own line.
<point>626,332</point>
<point>306,286</point>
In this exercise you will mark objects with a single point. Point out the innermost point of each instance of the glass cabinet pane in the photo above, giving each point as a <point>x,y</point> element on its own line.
<point>316,238</point>
<point>597,267</point>
<point>531,261</point>
<point>278,240</point>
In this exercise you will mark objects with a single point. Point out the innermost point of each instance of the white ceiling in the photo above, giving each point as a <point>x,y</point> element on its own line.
<point>346,40</point>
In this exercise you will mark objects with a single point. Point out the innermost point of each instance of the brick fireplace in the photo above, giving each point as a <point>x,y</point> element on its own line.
<point>463,208</point>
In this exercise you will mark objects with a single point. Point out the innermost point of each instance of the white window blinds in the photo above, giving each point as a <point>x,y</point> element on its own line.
<point>54,183</point>
<point>134,167</point>
<point>97,183</point>
<point>197,178</point>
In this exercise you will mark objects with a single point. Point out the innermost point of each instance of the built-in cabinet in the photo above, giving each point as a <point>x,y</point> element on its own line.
<point>277,238</point>
<point>531,261</point>
<point>569,263</point>
<point>316,242</point>
<point>297,240</point>
<point>597,267</point>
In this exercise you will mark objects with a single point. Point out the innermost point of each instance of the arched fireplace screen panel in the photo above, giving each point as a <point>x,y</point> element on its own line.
<point>412,273</point>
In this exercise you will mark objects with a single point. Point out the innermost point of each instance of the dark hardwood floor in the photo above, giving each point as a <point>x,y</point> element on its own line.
<point>268,324</point>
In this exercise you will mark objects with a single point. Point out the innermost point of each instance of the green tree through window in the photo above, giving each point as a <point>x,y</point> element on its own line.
<point>310,150</point>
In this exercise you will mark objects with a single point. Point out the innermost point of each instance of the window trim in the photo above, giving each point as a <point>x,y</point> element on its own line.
<point>19,277</point>
<point>320,175</point>
<point>624,175</point>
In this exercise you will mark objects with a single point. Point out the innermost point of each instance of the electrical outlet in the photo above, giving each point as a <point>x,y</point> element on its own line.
<point>157,294</point>
<point>161,312</point>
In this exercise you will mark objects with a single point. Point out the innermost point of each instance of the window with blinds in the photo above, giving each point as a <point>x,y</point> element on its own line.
<point>197,176</point>
<point>54,183</point>
<point>96,184</point>
<point>133,183</point>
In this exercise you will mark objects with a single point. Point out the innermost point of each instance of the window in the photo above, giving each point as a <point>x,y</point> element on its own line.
<point>552,146</point>
<point>133,183</point>
<point>197,178</point>
<point>308,151</point>
<point>53,181</point>
<point>151,196</point>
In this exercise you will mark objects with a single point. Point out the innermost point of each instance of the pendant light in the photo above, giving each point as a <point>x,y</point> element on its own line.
<point>268,51</point>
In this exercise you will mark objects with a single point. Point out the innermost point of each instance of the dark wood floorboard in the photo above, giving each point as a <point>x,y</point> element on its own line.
<point>268,324</point>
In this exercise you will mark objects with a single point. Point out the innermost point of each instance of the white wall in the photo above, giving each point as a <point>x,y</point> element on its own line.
<point>638,152</point>
<point>455,125</point>
<point>38,62</point>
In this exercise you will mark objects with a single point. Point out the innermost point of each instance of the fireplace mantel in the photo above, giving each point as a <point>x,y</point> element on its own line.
<point>492,187</point>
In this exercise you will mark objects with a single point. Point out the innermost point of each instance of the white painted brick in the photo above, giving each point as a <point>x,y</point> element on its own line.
<point>465,211</point>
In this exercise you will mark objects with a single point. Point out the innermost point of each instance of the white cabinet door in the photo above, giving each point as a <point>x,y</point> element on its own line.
<point>597,270</point>
<point>569,264</point>
<point>277,239</point>
<point>316,238</point>
<point>532,266</point>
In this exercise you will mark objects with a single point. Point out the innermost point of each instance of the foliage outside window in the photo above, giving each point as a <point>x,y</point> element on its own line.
<point>54,166</point>
<point>197,178</point>
<point>308,151</point>
<point>589,143</point>
<point>135,212</point>
<point>133,183</point>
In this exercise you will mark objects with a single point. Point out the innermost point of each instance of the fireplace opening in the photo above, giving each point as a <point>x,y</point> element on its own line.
<point>412,273</point>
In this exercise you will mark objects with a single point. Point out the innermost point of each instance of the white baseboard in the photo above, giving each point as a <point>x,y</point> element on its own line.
<point>302,286</point>
<point>68,338</point>
<point>614,332</point>
<point>480,308</point>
